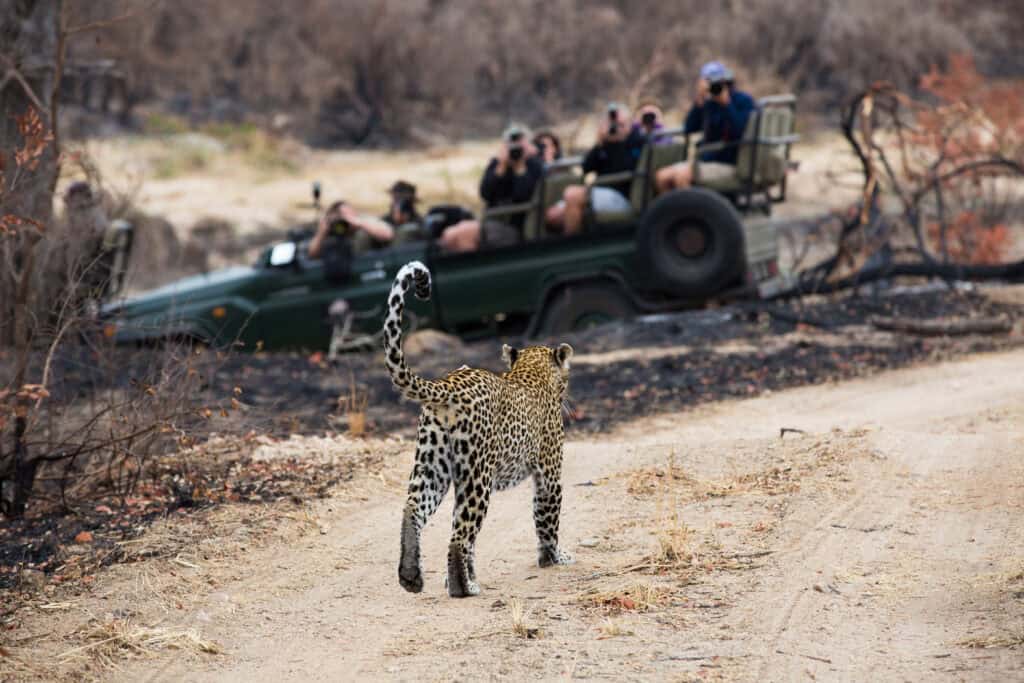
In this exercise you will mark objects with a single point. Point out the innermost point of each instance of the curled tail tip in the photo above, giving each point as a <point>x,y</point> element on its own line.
<point>420,277</point>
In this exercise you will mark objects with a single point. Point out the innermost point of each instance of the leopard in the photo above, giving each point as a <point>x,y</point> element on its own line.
<point>479,432</point>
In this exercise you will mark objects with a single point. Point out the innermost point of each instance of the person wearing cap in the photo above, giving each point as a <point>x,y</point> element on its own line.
<point>618,148</point>
<point>403,204</point>
<point>510,178</point>
<point>720,111</point>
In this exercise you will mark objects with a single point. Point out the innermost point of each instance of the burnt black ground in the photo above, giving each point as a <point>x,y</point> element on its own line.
<point>295,393</point>
<point>289,392</point>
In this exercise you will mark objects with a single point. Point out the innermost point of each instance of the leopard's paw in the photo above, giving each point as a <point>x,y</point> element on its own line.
<point>551,556</point>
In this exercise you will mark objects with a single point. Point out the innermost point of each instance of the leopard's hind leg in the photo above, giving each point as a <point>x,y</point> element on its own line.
<point>547,508</point>
<point>472,498</point>
<point>431,476</point>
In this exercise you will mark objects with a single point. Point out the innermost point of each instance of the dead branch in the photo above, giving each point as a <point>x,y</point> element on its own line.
<point>941,328</point>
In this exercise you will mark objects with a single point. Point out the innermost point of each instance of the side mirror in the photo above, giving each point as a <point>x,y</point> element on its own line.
<point>282,254</point>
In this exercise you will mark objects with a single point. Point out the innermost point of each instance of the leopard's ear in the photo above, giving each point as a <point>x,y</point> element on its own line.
<point>509,355</point>
<point>563,354</point>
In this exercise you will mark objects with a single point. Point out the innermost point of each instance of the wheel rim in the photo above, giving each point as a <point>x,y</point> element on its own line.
<point>690,239</point>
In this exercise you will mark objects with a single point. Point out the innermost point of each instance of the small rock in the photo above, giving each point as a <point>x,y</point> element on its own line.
<point>84,537</point>
<point>32,579</point>
<point>589,543</point>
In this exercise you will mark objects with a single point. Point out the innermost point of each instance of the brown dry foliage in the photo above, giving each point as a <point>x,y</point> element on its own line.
<point>353,72</point>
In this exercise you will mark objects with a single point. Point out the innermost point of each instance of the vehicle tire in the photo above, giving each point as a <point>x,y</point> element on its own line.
<point>692,242</point>
<point>577,307</point>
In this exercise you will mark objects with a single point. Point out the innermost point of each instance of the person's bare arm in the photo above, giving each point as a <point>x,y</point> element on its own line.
<point>379,230</point>
<point>317,243</point>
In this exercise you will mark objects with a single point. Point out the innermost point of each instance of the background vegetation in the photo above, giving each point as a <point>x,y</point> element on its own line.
<point>350,72</point>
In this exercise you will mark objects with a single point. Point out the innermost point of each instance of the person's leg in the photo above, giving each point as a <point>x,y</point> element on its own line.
<point>461,237</point>
<point>575,205</point>
<point>554,217</point>
<point>674,177</point>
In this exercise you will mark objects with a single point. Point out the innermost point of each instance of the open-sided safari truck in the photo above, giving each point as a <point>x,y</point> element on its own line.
<point>668,252</point>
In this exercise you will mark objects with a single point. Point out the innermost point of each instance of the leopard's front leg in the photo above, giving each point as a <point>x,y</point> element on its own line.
<point>547,508</point>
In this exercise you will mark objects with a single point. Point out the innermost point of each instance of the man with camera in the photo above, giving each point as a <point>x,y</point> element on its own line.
<point>619,144</point>
<point>510,178</point>
<point>342,224</point>
<point>720,111</point>
<point>403,204</point>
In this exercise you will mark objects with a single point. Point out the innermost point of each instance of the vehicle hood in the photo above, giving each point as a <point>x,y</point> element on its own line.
<point>187,290</point>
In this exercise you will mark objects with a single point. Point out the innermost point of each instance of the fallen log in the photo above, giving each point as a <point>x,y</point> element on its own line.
<point>943,327</point>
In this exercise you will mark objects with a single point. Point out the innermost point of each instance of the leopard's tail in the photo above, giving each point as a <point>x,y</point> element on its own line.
<point>409,384</point>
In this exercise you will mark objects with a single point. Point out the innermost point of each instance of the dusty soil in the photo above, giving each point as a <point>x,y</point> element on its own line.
<point>881,542</point>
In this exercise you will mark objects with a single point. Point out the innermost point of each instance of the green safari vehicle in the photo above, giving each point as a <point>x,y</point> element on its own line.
<point>675,251</point>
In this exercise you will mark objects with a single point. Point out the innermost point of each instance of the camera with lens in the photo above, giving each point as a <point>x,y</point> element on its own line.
<point>613,120</point>
<point>717,87</point>
<point>648,118</point>
<point>515,147</point>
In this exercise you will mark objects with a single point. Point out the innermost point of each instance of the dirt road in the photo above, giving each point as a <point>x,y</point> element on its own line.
<point>883,543</point>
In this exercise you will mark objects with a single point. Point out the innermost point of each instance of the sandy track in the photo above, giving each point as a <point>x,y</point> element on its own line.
<point>886,559</point>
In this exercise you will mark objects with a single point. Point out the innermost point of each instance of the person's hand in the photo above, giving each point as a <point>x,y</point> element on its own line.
<point>502,158</point>
<point>349,214</point>
<point>703,88</point>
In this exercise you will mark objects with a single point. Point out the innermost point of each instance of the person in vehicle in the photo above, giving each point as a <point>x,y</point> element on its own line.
<point>403,204</point>
<point>510,178</point>
<point>649,120</point>
<point>617,149</point>
<point>342,223</point>
<point>549,147</point>
<point>721,112</point>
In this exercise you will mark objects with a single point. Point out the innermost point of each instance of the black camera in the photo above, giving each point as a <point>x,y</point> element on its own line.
<point>717,87</point>
<point>339,227</point>
<point>648,118</point>
<point>515,147</point>
<point>613,121</point>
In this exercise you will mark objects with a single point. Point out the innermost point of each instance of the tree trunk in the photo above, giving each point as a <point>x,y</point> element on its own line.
<point>29,49</point>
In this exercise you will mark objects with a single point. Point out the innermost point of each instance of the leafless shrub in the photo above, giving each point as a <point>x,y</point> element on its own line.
<point>349,72</point>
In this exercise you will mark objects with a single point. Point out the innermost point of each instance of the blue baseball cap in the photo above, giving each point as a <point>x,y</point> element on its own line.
<point>713,72</point>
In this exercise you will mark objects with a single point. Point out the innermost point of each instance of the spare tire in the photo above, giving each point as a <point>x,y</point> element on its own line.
<point>692,242</point>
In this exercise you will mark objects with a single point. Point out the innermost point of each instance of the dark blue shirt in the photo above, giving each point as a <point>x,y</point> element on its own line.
<point>721,124</point>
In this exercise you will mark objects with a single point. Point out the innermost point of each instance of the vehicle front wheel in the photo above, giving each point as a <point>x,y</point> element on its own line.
<point>577,307</point>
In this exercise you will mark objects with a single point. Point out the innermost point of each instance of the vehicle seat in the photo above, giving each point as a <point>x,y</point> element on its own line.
<point>554,185</point>
<point>652,158</point>
<point>767,136</point>
<point>408,232</point>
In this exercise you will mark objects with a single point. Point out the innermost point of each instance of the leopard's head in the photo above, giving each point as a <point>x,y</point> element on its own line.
<point>551,366</point>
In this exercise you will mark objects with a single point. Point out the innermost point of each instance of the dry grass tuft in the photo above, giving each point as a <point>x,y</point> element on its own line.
<point>353,405</point>
<point>1010,639</point>
<point>612,629</point>
<point>638,596</point>
<point>111,640</point>
<point>519,614</point>
<point>674,543</point>
<point>115,638</point>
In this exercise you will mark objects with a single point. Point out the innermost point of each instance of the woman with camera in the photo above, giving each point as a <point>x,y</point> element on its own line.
<point>510,178</point>
<point>720,111</point>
